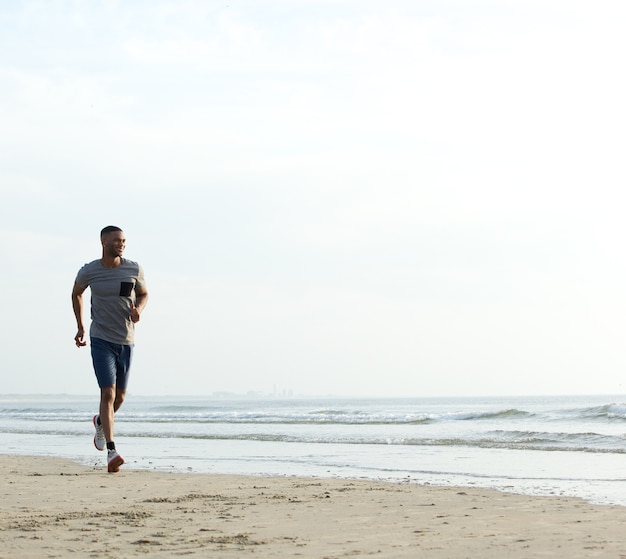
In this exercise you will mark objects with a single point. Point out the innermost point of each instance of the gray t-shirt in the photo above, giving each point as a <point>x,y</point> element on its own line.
<point>112,292</point>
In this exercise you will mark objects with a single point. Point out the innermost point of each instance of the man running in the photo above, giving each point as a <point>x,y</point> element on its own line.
<point>118,297</point>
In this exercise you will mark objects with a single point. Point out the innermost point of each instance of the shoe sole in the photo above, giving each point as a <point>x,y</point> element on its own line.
<point>95,424</point>
<point>114,465</point>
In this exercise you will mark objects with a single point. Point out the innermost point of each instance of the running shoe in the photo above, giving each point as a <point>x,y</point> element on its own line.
<point>115,460</point>
<point>99,441</point>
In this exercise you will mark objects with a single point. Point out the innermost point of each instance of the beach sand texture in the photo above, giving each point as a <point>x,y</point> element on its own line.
<point>56,508</point>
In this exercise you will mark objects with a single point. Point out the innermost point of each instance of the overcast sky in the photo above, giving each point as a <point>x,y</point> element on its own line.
<point>347,197</point>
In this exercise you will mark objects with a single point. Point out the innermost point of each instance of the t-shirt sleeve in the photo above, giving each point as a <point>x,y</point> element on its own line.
<point>141,282</point>
<point>82,278</point>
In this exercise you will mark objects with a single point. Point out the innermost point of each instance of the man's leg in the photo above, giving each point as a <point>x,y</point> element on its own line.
<point>111,399</point>
<point>119,399</point>
<point>107,411</point>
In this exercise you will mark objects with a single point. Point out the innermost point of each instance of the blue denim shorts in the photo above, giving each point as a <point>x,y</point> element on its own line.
<point>111,363</point>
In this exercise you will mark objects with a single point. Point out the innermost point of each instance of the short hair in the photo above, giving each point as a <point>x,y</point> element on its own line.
<point>109,229</point>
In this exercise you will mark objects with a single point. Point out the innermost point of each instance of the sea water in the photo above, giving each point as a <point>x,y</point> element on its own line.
<point>574,446</point>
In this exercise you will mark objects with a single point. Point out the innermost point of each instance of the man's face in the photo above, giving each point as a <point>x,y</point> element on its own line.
<point>114,243</point>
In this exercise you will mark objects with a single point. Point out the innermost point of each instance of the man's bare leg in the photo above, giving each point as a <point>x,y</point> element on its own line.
<point>111,400</point>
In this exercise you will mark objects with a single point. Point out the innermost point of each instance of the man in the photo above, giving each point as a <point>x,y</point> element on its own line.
<point>118,297</point>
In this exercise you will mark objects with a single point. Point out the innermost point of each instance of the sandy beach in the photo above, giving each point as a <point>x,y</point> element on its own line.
<point>56,508</point>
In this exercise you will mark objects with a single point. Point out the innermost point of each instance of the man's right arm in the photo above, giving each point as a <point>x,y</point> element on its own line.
<point>77,305</point>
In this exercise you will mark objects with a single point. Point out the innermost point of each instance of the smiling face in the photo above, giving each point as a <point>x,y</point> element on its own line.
<point>113,244</point>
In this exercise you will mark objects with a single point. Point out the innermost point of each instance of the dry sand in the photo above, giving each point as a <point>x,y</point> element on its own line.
<point>55,508</point>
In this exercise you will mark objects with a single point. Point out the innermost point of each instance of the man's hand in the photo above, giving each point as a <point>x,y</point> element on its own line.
<point>134,313</point>
<point>80,338</point>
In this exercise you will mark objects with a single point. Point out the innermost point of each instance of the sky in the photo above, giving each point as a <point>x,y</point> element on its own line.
<point>328,197</point>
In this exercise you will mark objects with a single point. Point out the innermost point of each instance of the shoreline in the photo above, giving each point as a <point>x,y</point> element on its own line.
<point>52,506</point>
<point>522,445</point>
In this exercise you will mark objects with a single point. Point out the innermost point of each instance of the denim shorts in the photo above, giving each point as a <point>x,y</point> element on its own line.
<point>111,363</point>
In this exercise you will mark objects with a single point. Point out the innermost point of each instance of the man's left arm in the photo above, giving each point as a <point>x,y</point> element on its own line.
<point>141,300</point>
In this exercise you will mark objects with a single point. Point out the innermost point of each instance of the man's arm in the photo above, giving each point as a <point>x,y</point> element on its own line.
<point>77,305</point>
<point>141,300</point>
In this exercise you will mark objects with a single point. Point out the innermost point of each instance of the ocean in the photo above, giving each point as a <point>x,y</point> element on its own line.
<point>570,446</point>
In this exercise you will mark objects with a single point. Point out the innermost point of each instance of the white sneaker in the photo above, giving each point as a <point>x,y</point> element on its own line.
<point>99,441</point>
<point>115,460</point>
